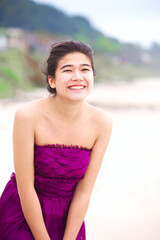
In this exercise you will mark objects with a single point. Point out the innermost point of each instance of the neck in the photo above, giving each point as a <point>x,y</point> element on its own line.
<point>70,110</point>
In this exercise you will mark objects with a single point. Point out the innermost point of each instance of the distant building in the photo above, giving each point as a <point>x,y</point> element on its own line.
<point>16,39</point>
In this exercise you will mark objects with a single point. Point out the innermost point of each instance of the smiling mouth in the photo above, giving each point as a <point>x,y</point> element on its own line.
<point>77,87</point>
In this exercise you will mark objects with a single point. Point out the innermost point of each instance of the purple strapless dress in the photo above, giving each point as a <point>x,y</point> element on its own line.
<point>58,168</point>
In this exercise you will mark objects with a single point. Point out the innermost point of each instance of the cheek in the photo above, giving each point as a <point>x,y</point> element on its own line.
<point>91,79</point>
<point>60,83</point>
<point>92,83</point>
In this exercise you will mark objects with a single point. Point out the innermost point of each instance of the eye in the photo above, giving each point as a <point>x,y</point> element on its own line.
<point>85,69</point>
<point>67,70</point>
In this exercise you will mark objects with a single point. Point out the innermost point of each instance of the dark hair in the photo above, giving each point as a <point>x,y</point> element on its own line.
<point>59,50</point>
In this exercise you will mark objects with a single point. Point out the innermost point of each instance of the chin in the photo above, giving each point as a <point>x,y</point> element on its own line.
<point>78,97</point>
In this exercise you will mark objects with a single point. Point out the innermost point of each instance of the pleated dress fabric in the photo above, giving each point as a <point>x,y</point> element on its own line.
<point>58,168</point>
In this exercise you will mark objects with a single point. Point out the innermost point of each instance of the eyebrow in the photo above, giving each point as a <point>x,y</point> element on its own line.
<point>71,65</point>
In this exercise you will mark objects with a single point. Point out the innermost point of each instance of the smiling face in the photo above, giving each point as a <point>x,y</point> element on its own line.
<point>73,77</point>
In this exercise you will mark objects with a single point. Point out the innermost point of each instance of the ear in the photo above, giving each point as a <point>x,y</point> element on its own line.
<point>51,81</point>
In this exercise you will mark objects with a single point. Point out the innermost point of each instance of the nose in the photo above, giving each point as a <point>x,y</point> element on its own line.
<point>77,76</point>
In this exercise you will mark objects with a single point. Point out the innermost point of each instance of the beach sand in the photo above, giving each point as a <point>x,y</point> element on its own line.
<point>125,200</point>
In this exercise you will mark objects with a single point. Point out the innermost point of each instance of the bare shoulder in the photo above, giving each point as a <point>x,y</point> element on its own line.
<point>101,119</point>
<point>29,112</point>
<point>102,122</point>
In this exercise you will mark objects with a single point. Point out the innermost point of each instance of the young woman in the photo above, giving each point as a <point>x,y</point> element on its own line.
<point>58,144</point>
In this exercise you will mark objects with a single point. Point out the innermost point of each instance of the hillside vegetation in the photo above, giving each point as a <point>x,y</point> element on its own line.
<point>31,16</point>
<point>18,71</point>
<point>41,25</point>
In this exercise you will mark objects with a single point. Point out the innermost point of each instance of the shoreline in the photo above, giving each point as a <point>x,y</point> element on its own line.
<point>138,94</point>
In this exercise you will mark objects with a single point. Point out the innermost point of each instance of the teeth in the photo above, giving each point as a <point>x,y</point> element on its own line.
<point>77,87</point>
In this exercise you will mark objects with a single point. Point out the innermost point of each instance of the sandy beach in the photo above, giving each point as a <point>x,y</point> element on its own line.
<point>125,203</point>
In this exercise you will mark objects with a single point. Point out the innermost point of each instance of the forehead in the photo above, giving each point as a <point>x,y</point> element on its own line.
<point>75,58</point>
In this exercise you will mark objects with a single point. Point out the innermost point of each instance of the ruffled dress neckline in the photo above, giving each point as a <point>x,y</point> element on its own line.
<point>64,146</point>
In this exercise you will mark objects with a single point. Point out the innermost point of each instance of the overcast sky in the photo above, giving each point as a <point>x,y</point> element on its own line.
<point>135,21</point>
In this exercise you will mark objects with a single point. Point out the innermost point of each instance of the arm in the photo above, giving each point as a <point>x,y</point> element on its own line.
<point>81,198</point>
<point>23,150</point>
